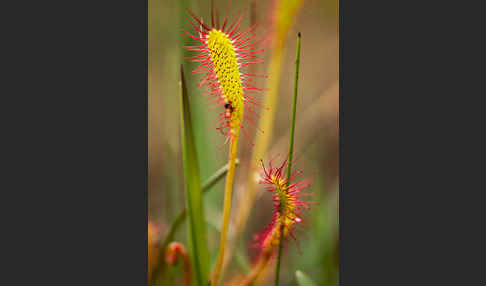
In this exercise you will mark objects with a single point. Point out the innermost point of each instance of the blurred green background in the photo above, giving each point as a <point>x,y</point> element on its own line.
<point>316,138</point>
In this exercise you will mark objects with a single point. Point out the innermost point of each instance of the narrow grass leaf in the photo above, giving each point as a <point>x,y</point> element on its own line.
<point>196,227</point>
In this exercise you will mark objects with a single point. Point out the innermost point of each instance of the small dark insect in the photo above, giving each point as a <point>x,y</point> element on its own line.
<point>229,106</point>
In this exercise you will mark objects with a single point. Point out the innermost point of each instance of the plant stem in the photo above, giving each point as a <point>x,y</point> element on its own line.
<point>279,257</point>
<point>227,206</point>
<point>216,176</point>
<point>291,149</point>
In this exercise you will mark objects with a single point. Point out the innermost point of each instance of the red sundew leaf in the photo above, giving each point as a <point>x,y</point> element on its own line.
<point>223,55</point>
<point>287,212</point>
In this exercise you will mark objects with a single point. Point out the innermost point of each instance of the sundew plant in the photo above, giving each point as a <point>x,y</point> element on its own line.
<point>223,212</point>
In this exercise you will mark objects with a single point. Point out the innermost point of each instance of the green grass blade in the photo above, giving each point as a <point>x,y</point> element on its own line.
<point>294,107</point>
<point>303,280</point>
<point>196,225</point>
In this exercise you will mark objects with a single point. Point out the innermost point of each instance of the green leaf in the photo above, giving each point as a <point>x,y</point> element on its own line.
<point>303,280</point>
<point>196,226</point>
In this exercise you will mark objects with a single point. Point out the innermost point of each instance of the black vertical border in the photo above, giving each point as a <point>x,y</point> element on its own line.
<point>79,143</point>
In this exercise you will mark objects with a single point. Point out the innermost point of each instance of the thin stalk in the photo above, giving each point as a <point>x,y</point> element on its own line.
<point>214,178</point>
<point>291,149</point>
<point>279,256</point>
<point>227,206</point>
